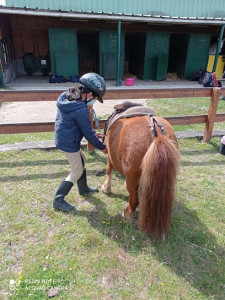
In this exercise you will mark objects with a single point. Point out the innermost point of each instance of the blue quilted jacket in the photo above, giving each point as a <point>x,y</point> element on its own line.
<point>72,124</point>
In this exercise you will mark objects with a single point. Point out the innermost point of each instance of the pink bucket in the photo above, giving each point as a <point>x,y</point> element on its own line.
<point>130,81</point>
<point>223,140</point>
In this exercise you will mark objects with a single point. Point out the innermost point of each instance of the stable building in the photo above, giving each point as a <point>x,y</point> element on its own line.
<point>117,39</point>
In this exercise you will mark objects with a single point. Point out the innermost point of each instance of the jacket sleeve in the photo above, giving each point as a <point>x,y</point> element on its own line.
<point>84,123</point>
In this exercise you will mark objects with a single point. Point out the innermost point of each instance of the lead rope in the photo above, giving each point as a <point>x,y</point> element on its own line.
<point>96,120</point>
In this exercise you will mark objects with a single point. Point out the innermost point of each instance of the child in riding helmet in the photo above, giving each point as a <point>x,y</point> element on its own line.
<point>71,125</point>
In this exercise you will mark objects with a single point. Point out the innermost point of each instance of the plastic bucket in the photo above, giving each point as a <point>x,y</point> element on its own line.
<point>130,81</point>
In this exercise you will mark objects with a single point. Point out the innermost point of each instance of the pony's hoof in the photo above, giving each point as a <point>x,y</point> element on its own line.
<point>105,190</point>
<point>127,216</point>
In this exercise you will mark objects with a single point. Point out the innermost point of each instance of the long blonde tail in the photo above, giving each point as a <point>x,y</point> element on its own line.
<point>157,186</point>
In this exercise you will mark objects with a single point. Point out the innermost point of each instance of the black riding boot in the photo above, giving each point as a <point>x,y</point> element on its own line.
<point>82,185</point>
<point>59,202</point>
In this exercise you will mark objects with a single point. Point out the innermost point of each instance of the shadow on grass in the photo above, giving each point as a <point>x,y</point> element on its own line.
<point>190,250</point>
<point>203,163</point>
<point>31,177</point>
<point>199,152</point>
<point>25,163</point>
<point>61,175</point>
<point>61,162</point>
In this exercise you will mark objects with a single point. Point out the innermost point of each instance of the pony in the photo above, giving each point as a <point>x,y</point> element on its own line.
<point>145,150</point>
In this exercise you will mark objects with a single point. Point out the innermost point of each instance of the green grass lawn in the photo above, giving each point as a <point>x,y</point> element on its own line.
<point>186,107</point>
<point>93,253</point>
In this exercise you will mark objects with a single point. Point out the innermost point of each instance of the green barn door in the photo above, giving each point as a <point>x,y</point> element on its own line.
<point>63,51</point>
<point>108,54</point>
<point>197,54</point>
<point>2,85</point>
<point>156,55</point>
<point>162,66</point>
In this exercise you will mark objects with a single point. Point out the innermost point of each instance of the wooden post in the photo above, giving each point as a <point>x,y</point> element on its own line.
<point>211,115</point>
<point>90,147</point>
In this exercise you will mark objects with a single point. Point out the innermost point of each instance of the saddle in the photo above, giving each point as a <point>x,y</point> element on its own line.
<point>126,109</point>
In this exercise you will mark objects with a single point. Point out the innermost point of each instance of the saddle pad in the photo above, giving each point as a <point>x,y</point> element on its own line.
<point>137,110</point>
<point>124,105</point>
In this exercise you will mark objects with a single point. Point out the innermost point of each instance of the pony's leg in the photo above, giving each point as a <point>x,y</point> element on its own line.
<point>128,212</point>
<point>106,187</point>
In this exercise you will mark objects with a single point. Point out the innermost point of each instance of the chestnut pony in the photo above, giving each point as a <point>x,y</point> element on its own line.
<point>149,161</point>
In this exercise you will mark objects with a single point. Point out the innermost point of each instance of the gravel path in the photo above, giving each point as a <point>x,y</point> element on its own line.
<point>28,112</point>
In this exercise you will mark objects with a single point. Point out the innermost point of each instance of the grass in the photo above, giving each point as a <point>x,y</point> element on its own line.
<point>184,107</point>
<point>93,253</point>
<point>25,137</point>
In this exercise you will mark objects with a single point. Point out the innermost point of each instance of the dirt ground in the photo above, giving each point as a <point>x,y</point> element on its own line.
<point>28,112</point>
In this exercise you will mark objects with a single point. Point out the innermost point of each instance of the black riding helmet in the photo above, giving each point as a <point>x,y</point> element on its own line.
<point>95,83</point>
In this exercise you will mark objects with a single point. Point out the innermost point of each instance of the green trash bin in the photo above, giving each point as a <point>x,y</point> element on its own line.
<point>29,63</point>
<point>44,65</point>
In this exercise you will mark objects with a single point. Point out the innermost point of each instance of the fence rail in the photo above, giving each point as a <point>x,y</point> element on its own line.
<point>113,94</point>
<point>119,94</point>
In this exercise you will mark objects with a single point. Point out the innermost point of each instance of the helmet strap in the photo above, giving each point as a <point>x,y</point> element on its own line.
<point>86,100</point>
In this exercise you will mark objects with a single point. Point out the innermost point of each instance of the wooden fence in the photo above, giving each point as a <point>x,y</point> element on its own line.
<point>118,94</point>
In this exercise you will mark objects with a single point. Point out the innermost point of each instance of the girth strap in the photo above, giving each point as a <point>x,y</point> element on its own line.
<point>152,119</point>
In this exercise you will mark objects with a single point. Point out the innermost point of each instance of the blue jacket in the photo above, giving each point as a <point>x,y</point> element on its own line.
<point>72,124</point>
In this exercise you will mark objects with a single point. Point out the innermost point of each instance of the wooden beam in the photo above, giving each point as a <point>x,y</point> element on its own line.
<point>49,126</point>
<point>220,118</point>
<point>157,93</point>
<point>31,95</point>
<point>117,94</point>
<point>186,120</point>
<point>181,120</point>
<point>26,127</point>
<point>111,94</point>
<point>211,114</point>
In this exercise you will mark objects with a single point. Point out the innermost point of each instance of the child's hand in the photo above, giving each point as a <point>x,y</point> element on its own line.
<point>99,135</point>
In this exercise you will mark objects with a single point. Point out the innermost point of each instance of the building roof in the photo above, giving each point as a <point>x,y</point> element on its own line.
<point>102,15</point>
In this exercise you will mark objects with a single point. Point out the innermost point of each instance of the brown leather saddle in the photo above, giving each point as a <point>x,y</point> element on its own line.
<point>126,109</point>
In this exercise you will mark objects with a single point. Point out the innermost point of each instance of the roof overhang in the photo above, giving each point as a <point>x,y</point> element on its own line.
<point>151,19</point>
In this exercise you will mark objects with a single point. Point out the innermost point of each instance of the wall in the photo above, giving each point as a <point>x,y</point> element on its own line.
<point>31,33</point>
